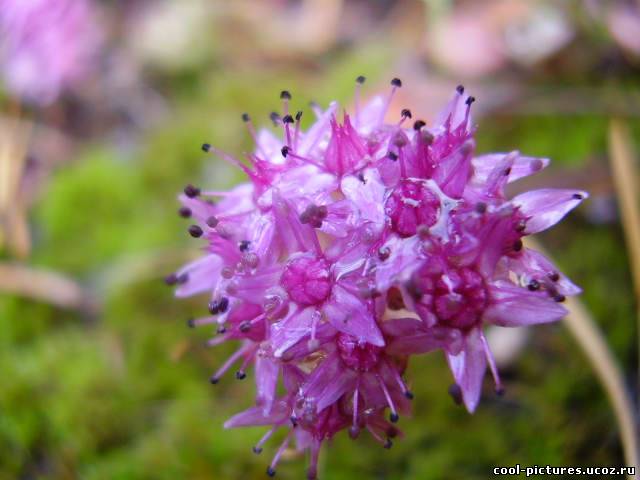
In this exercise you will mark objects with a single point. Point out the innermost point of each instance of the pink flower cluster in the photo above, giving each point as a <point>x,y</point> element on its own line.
<point>356,244</point>
<point>46,46</point>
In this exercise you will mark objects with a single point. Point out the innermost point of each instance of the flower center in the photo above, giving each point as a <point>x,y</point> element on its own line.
<point>459,297</point>
<point>307,280</point>
<point>360,356</point>
<point>412,204</point>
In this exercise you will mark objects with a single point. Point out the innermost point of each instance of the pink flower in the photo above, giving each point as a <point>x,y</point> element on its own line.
<point>47,46</point>
<point>347,221</point>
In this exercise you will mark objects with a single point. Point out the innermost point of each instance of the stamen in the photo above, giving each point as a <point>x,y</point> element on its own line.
<point>275,118</point>
<point>184,212</point>
<point>215,378</point>
<point>285,95</point>
<point>252,131</point>
<point>492,365</point>
<point>171,279</point>
<point>401,384</point>
<point>393,417</point>
<point>354,430</point>
<point>271,471</point>
<point>395,84</point>
<point>196,322</point>
<point>257,449</point>
<point>456,393</point>
<point>296,132</point>
<point>359,81</point>
<point>418,124</point>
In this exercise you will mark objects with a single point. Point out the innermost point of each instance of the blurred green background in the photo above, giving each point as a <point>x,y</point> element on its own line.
<point>111,384</point>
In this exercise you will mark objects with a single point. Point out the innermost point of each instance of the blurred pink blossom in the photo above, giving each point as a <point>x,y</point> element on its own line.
<point>46,46</point>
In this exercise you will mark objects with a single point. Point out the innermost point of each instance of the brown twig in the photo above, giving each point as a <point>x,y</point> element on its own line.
<point>589,337</point>
<point>45,285</point>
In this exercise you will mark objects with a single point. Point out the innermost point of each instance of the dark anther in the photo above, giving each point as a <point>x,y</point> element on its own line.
<point>388,444</point>
<point>243,245</point>
<point>396,82</point>
<point>460,89</point>
<point>171,279</point>
<point>456,393</point>
<point>408,394</point>
<point>195,231</point>
<point>426,136</point>
<point>212,222</point>
<point>507,171</point>
<point>223,304</point>
<point>214,380</point>
<point>294,420</point>
<point>275,118</point>
<point>354,431</point>
<point>221,329</point>
<point>245,326</point>
<point>191,323</point>
<point>285,95</point>
<point>406,113</point>
<point>394,417</point>
<point>285,151</point>
<point>287,119</point>
<point>414,290</point>
<point>271,472</point>
<point>257,450</point>
<point>240,375</point>
<point>184,212</point>
<point>393,156</point>
<point>394,299</point>
<point>577,196</point>
<point>481,207</point>
<point>500,391</point>
<point>517,245</point>
<point>418,124</point>
<point>213,307</point>
<point>361,178</point>
<point>554,276</point>
<point>470,100</point>
<point>245,117</point>
<point>392,432</point>
<point>534,285</point>
<point>361,79</point>
<point>299,115</point>
<point>191,191</point>
<point>384,253</point>
<point>521,226</point>
<point>206,147</point>
<point>183,278</point>
<point>423,232</point>
<point>558,297</point>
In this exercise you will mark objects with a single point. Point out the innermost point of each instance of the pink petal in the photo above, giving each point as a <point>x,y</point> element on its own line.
<point>547,206</point>
<point>255,416</point>
<point>267,370</point>
<point>203,276</point>
<point>514,306</point>
<point>468,368</point>
<point>286,333</point>
<point>349,314</point>
<point>328,382</point>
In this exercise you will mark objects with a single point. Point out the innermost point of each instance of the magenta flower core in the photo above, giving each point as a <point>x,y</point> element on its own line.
<point>356,244</point>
